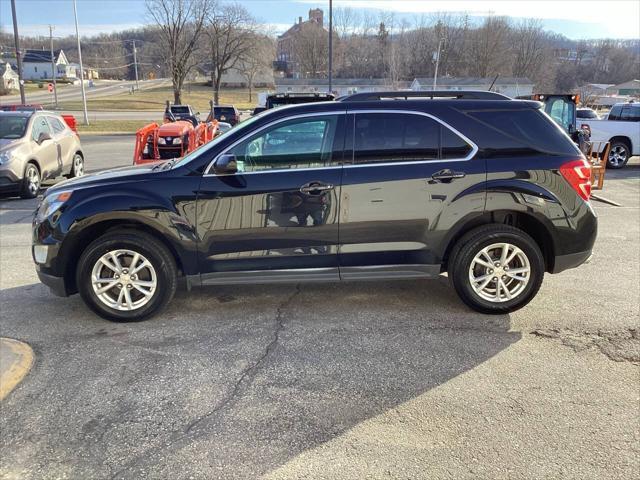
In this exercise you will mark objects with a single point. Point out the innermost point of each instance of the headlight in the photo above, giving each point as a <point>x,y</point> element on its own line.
<point>51,204</point>
<point>161,141</point>
<point>177,141</point>
<point>5,157</point>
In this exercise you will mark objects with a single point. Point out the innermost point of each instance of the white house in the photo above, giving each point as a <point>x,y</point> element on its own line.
<point>510,86</point>
<point>8,78</point>
<point>36,65</point>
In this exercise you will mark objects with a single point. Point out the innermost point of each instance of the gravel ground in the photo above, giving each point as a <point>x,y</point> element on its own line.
<point>355,380</point>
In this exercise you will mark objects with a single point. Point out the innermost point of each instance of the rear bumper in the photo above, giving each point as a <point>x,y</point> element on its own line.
<point>572,260</point>
<point>57,285</point>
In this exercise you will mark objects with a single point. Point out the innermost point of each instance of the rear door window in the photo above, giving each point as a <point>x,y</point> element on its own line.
<point>630,113</point>
<point>453,146</point>
<point>383,137</point>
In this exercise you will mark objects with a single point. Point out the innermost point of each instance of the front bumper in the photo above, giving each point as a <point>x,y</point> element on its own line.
<point>57,285</point>
<point>572,260</point>
<point>9,184</point>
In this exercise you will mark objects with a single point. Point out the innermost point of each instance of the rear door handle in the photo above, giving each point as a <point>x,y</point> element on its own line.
<point>447,175</point>
<point>315,188</point>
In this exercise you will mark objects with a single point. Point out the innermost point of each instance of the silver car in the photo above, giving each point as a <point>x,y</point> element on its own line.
<point>34,147</point>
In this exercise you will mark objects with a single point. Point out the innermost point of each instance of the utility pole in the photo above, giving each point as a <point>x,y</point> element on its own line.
<point>330,45</point>
<point>84,95</point>
<point>135,63</point>
<point>53,66</point>
<point>16,40</point>
<point>435,74</point>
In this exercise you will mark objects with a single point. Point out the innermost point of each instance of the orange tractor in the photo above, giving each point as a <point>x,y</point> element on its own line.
<point>181,133</point>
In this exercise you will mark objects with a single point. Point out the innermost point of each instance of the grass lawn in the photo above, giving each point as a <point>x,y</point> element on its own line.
<point>196,95</point>
<point>115,126</point>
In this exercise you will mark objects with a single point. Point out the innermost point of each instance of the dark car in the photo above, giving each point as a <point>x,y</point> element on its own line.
<point>173,113</point>
<point>293,98</point>
<point>226,113</point>
<point>587,113</point>
<point>482,187</point>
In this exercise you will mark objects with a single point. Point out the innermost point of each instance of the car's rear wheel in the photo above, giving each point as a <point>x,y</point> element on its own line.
<point>77,166</point>
<point>619,154</point>
<point>126,276</point>
<point>30,181</point>
<point>496,269</point>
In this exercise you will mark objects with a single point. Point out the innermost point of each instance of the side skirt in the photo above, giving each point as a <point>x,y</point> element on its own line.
<point>377,272</point>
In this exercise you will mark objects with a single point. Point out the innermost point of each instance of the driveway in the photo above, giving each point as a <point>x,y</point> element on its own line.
<point>355,380</point>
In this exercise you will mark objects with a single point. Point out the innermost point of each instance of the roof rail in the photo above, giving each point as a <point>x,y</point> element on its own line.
<point>406,95</point>
<point>301,94</point>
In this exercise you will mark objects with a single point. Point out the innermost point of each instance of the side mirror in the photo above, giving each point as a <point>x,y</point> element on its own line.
<point>226,165</point>
<point>43,137</point>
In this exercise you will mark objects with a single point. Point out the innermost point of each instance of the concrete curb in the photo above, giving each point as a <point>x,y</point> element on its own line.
<point>16,359</point>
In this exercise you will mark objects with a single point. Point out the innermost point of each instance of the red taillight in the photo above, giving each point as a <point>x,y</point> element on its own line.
<point>578,174</point>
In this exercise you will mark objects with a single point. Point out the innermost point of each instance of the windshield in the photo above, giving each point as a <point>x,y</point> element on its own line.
<point>196,153</point>
<point>180,110</point>
<point>12,127</point>
<point>224,111</point>
<point>587,114</point>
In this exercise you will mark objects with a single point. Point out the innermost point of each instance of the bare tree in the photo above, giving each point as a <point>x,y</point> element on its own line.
<point>529,48</point>
<point>230,39</point>
<point>259,58</point>
<point>489,47</point>
<point>311,50</point>
<point>180,23</point>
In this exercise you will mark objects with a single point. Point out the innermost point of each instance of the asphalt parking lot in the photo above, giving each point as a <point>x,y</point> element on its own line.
<point>356,380</point>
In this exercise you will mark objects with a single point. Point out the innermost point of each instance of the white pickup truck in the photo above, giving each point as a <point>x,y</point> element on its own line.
<point>621,128</point>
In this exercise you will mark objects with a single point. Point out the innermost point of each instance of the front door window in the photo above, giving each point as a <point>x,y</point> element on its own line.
<point>296,144</point>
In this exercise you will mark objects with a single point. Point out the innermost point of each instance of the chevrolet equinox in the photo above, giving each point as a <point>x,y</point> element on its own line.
<point>395,185</point>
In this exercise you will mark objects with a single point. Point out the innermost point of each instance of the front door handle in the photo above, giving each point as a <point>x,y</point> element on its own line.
<point>446,175</point>
<point>315,188</point>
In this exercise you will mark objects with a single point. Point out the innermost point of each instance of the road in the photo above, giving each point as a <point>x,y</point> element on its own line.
<point>103,88</point>
<point>330,381</point>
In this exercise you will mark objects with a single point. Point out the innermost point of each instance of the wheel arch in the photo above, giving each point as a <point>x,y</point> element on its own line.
<point>529,224</point>
<point>80,241</point>
<point>624,139</point>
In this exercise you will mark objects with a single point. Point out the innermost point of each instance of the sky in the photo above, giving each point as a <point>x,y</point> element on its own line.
<point>576,19</point>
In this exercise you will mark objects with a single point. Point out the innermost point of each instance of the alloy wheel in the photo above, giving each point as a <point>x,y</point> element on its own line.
<point>78,166</point>
<point>499,272</point>
<point>618,155</point>
<point>33,180</point>
<point>124,280</point>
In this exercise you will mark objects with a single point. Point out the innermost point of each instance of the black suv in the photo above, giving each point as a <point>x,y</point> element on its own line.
<point>483,187</point>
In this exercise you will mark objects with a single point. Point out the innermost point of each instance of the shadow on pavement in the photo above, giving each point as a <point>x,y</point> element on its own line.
<point>230,381</point>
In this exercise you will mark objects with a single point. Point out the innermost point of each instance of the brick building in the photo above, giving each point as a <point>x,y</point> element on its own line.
<point>285,54</point>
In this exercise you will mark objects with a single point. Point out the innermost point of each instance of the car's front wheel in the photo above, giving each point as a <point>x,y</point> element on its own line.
<point>126,276</point>
<point>496,269</point>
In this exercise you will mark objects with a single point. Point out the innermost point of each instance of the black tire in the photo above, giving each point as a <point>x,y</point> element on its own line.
<point>30,181</point>
<point>471,244</point>
<point>619,154</point>
<point>77,166</point>
<point>154,251</point>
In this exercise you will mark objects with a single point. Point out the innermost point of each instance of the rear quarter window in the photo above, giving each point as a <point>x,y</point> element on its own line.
<point>527,129</point>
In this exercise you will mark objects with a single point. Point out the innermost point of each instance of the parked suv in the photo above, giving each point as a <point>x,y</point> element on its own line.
<point>225,113</point>
<point>487,189</point>
<point>35,146</point>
